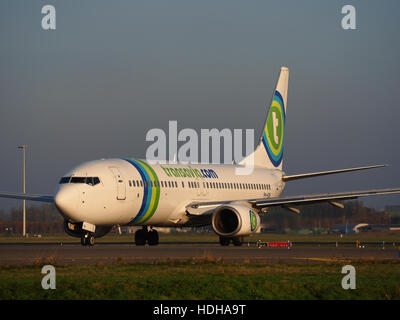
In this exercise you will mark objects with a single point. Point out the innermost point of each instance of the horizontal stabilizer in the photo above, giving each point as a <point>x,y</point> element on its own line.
<point>324,173</point>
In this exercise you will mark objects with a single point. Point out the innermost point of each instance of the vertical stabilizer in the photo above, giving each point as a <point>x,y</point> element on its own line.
<point>269,151</point>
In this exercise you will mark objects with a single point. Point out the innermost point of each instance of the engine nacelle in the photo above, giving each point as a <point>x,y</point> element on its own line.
<point>235,220</point>
<point>75,229</point>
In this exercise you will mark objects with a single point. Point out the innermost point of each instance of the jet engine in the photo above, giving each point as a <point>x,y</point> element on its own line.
<point>75,229</point>
<point>235,220</point>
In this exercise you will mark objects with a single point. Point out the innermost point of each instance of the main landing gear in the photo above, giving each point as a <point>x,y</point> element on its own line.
<point>87,239</point>
<point>225,241</point>
<point>143,235</point>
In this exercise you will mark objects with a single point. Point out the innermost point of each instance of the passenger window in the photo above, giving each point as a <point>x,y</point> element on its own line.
<point>130,183</point>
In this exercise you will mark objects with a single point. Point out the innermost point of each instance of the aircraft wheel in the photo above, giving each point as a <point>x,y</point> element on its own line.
<point>237,241</point>
<point>152,237</point>
<point>83,240</point>
<point>224,241</point>
<point>140,237</point>
<point>90,240</point>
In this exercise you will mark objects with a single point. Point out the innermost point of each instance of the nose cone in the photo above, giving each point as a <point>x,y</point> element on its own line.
<point>66,200</point>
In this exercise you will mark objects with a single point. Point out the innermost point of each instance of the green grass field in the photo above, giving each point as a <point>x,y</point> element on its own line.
<point>207,279</point>
<point>204,280</point>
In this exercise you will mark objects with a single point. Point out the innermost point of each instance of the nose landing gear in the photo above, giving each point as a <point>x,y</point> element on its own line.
<point>87,239</point>
<point>144,235</point>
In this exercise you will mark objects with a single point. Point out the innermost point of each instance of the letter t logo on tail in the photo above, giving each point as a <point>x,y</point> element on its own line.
<point>275,123</point>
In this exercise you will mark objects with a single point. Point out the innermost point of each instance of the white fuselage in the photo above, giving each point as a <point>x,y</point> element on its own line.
<point>134,192</point>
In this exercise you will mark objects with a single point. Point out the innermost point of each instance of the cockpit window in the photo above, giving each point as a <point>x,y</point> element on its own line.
<point>65,180</point>
<point>78,180</point>
<point>91,181</point>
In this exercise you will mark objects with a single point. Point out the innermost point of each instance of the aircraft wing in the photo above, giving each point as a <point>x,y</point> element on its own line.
<point>200,208</point>
<point>315,198</point>
<point>26,196</point>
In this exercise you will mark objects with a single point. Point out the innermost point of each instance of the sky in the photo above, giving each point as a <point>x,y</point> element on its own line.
<point>113,70</point>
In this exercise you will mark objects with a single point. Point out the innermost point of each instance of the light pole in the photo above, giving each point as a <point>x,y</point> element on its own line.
<point>23,147</point>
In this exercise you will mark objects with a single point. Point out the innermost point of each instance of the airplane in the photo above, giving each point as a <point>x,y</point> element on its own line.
<point>97,195</point>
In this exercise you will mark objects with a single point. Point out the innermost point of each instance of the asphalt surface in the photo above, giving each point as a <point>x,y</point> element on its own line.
<point>56,253</point>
